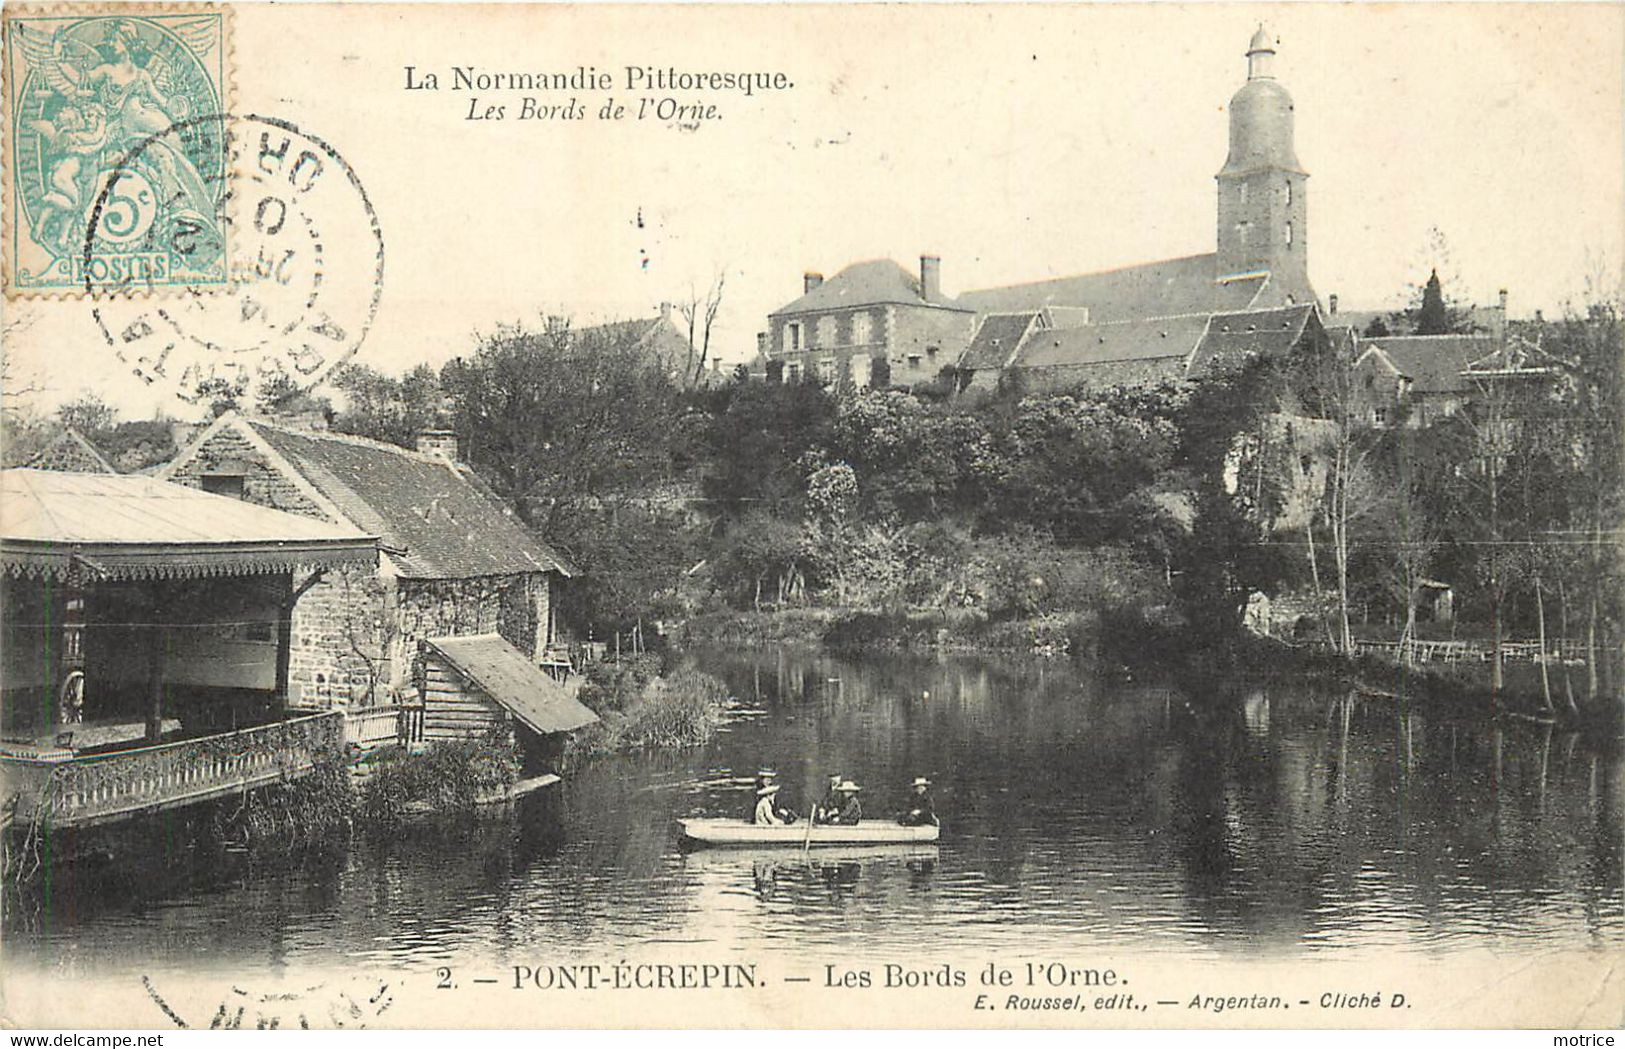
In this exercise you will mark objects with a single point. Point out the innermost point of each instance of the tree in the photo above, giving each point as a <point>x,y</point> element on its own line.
<point>387,409</point>
<point>700,313</point>
<point>88,414</point>
<point>1377,329</point>
<point>1432,318</point>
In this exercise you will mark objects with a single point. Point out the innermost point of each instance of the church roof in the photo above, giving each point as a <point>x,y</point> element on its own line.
<point>872,283</point>
<point>1234,338</point>
<point>1171,287</point>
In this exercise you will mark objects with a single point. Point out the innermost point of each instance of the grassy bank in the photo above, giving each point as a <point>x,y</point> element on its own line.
<point>642,705</point>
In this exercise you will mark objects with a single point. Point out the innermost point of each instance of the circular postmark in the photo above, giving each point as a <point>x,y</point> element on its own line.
<point>287,222</point>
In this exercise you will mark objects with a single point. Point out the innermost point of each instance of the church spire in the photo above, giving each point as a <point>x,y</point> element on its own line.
<point>1263,216</point>
<point>1260,56</point>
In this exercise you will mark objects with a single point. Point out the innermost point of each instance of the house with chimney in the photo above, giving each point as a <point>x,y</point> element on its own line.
<point>871,311</point>
<point>453,560</point>
<point>1146,324</point>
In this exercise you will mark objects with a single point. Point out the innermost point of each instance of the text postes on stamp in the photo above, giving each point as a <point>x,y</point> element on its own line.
<point>85,87</point>
<point>304,260</point>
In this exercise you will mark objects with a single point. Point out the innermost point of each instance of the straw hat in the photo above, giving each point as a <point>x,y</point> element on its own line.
<point>847,786</point>
<point>921,781</point>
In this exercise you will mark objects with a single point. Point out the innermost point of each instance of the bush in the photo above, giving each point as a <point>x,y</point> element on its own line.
<point>615,684</point>
<point>683,709</point>
<point>448,777</point>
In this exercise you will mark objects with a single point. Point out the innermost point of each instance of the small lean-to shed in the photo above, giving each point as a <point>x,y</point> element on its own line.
<point>471,686</point>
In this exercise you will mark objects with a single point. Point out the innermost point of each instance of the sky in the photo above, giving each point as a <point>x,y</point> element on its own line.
<point>1015,142</point>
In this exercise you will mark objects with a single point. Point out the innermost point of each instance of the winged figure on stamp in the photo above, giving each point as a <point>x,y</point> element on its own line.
<point>112,99</point>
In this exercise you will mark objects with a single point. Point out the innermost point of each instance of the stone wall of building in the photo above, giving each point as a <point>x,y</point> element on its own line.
<point>922,341</point>
<point>515,606</point>
<point>340,652</point>
<point>229,452</point>
<point>1105,375</point>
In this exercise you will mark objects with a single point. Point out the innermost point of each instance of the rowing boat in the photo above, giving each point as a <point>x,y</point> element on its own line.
<point>741,832</point>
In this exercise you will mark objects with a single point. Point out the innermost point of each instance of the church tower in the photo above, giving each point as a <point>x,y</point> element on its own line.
<point>1262,207</point>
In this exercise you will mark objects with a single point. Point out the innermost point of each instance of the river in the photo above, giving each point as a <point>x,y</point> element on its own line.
<point>1086,813</point>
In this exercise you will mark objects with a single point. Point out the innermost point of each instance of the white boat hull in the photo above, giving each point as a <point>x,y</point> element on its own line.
<point>740,833</point>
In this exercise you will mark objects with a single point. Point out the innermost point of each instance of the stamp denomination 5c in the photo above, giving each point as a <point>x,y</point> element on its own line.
<point>86,87</point>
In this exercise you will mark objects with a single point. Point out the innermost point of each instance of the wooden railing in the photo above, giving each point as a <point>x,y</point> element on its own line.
<point>1468,651</point>
<point>107,786</point>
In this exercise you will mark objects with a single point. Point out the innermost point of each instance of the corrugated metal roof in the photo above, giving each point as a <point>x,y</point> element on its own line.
<point>142,526</point>
<point>503,673</point>
<point>444,526</point>
<point>1167,288</point>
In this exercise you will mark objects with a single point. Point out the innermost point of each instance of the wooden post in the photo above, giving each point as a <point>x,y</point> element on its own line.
<point>155,685</point>
<point>284,647</point>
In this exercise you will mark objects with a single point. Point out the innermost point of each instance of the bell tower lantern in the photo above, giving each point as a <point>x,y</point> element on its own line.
<point>1263,210</point>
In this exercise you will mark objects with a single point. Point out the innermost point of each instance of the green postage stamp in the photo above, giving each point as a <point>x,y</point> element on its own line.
<point>113,179</point>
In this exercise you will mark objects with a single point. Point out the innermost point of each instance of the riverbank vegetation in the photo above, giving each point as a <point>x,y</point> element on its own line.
<point>1098,522</point>
<point>640,707</point>
<point>449,777</point>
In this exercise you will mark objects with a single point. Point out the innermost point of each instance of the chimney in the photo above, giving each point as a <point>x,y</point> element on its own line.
<point>1503,298</point>
<point>1331,301</point>
<point>716,365</point>
<point>665,311</point>
<point>761,343</point>
<point>931,278</point>
<point>438,442</point>
<point>810,280</point>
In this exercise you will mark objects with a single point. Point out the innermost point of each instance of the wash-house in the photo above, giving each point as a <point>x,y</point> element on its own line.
<point>147,639</point>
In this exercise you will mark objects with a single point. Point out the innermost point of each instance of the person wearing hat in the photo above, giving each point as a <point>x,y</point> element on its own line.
<point>830,806</point>
<point>921,813</point>
<point>850,812</point>
<point>767,814</point>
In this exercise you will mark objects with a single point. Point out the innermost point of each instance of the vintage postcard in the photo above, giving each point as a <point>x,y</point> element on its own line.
<point>813,515</point>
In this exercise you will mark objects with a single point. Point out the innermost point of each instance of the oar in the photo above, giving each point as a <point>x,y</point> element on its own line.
<point>806,841</point>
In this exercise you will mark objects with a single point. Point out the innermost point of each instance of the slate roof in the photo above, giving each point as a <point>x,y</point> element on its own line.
<point>1168,288</point>
<point>435,519</point>
<point>1233,338</point>
<point>1433,363</point>
<point>872,283</point>
<point>997,340</point>
<point>69,451</point>
<point>503,673</point>
<point>1135,340</point>
<point>131,526</point>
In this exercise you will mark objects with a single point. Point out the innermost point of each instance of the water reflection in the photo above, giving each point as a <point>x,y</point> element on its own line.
<point>1083,812</point>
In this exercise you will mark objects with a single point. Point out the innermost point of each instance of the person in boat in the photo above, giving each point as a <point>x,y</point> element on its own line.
<point>830,806</point>
<point>921,813</point>
<point>850,812</point>
<point>768,813</point>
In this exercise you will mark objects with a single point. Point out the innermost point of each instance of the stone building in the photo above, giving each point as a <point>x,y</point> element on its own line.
<point>454,561</point>
<point>70,452</point>
<point>1141,324</point>
<point>869,311</point>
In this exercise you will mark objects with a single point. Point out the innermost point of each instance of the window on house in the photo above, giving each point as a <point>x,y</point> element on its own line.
<point>1379,416</point>
<point>826,370</point>
<point>914,361</point>
<point>931,353</point>
<point>1243,193</point>
<point>862,328</point>
<point>792,336</point>
<point>1242,233</point>
<point>792,373</point>
<point>224,484</point>
<point>1289,193</point>
<point>826,330</point>
<point>1289,234</point>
